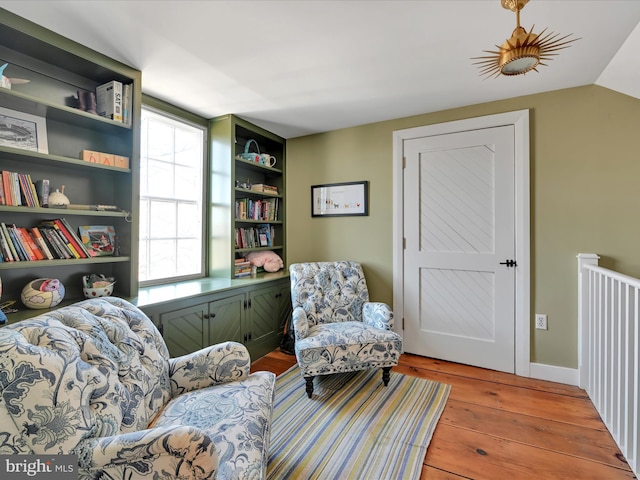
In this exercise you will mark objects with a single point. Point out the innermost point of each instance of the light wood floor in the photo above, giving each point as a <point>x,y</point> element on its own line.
<point>498,426</point>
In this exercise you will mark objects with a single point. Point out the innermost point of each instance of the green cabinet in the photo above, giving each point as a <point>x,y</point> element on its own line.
<point>252,315</point>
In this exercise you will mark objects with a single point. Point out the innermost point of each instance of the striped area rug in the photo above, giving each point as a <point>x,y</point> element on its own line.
<point>354,427</point>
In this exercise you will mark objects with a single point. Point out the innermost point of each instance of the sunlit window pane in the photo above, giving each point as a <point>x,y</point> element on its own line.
<point>163,253</point>
<point>171,193</point>
<point>187,263</point>
<point>163,219</point>
<point>160,179</point>
<point>189,224</point>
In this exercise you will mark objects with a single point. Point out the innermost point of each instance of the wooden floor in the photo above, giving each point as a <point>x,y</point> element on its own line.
<point>498,426</point>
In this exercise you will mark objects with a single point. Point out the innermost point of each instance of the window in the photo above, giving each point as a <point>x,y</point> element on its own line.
<point>172,160</point>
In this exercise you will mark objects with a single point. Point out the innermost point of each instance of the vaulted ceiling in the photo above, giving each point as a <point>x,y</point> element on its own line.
<point>300,66</point>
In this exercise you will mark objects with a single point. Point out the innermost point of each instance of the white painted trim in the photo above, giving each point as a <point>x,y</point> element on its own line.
<point>583,316</point>
<point>520,120</point>
<point>552,373</point>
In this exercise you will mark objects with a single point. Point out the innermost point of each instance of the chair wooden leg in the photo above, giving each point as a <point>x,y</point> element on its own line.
<point>386,375</point>
<point>309,386</point>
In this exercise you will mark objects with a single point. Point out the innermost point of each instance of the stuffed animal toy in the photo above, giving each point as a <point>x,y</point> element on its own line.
<point>270,261</point>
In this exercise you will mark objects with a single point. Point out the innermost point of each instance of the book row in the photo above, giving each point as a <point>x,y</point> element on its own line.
<point>51,240</point>
<point>260,236</point>
<point>17,189</point>
<point>265,209</point>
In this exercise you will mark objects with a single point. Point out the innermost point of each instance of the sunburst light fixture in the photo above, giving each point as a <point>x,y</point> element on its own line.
<point>524,51</point>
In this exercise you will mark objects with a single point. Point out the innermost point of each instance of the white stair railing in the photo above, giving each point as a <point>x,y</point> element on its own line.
<point>609,350</point>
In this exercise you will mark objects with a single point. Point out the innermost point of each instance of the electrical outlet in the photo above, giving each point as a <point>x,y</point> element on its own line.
<point>541,321</point>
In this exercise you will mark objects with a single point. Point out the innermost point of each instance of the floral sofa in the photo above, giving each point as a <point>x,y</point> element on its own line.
<point>95,379</point>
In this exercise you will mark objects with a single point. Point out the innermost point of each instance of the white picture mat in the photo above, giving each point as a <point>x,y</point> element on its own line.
<point>23,130</point>
<point>340,199</point>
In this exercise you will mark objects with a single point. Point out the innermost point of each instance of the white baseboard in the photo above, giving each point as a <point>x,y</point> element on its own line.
<point>568,376</point>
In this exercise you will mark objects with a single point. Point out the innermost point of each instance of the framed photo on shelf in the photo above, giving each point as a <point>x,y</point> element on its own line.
<point>340,199</point>
<point>23,130</point>
<point>99,240</point>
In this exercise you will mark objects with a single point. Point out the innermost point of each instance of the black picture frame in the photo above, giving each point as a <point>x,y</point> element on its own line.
<point>347,199</point>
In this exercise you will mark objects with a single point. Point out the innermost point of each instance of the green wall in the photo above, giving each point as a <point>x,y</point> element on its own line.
<point>585,197</point>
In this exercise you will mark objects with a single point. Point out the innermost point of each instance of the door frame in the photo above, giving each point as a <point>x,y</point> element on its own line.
<point>520,120</point>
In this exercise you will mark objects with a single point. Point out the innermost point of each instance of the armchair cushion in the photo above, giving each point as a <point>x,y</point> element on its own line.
<point>346,347</point>
<point>213,365</point>
<point>378,315</point>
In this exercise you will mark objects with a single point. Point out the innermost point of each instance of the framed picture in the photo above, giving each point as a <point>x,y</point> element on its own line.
<point>98,239</point>
<point>340,199</point>
<point>23,130</point>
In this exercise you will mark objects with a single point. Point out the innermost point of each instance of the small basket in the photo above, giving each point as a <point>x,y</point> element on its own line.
<point>250,156</point>
<point>248,146</point>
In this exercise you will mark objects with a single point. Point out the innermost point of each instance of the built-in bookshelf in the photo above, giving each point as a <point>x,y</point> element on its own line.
<point>247,194</point>
<point>55,105</point>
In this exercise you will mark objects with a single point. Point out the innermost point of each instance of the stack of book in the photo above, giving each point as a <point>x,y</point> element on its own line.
<point>261,187</point>
<point>50,240</point>
<point>242,268</point>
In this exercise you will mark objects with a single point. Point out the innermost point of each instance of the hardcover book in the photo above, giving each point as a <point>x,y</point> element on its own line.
<point>109,100</point>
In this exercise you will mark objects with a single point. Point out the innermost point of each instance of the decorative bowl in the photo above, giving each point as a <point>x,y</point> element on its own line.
<point>42,293</point>
<point>100,289</point>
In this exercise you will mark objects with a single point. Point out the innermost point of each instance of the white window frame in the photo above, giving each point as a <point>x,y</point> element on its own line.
<point>143,240</point>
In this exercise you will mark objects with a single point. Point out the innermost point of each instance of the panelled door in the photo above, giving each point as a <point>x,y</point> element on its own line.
<point>459,257</point>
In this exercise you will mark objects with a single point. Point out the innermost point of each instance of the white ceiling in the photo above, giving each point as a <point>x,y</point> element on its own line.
<point>301,67</point>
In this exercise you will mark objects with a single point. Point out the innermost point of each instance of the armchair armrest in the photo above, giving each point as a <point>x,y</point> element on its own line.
<point>300,323</point>
<point>162,452</point>
<point>377,314</point>
<point>213,365</point>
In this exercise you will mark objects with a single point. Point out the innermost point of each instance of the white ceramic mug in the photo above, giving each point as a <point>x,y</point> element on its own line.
<point>268,160</point>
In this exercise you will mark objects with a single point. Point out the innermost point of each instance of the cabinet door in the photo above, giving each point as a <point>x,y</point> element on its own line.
<point>283,308</point>
<point>184,330</point>
<point>261,314</point>
<point>225,319</point>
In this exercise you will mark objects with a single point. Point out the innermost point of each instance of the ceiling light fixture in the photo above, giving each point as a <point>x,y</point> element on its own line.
<point>524,51</point>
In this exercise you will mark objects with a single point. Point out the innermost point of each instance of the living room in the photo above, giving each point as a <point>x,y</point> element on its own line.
<point>583,142</point>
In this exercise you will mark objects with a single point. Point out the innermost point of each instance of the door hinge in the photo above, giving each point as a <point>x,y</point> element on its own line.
<point>403,323</point>
<point>509,263</point>
<point>404,243</point>
<point>404,162</point>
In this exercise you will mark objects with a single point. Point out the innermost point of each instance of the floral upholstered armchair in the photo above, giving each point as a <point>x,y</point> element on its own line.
<point>337,328</point>
<point>95,379</point>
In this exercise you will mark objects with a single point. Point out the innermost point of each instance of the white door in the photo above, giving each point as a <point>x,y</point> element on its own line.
<point>459,228</point>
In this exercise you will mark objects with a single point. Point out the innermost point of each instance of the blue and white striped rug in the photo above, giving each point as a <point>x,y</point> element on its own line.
<point>354,427</point>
